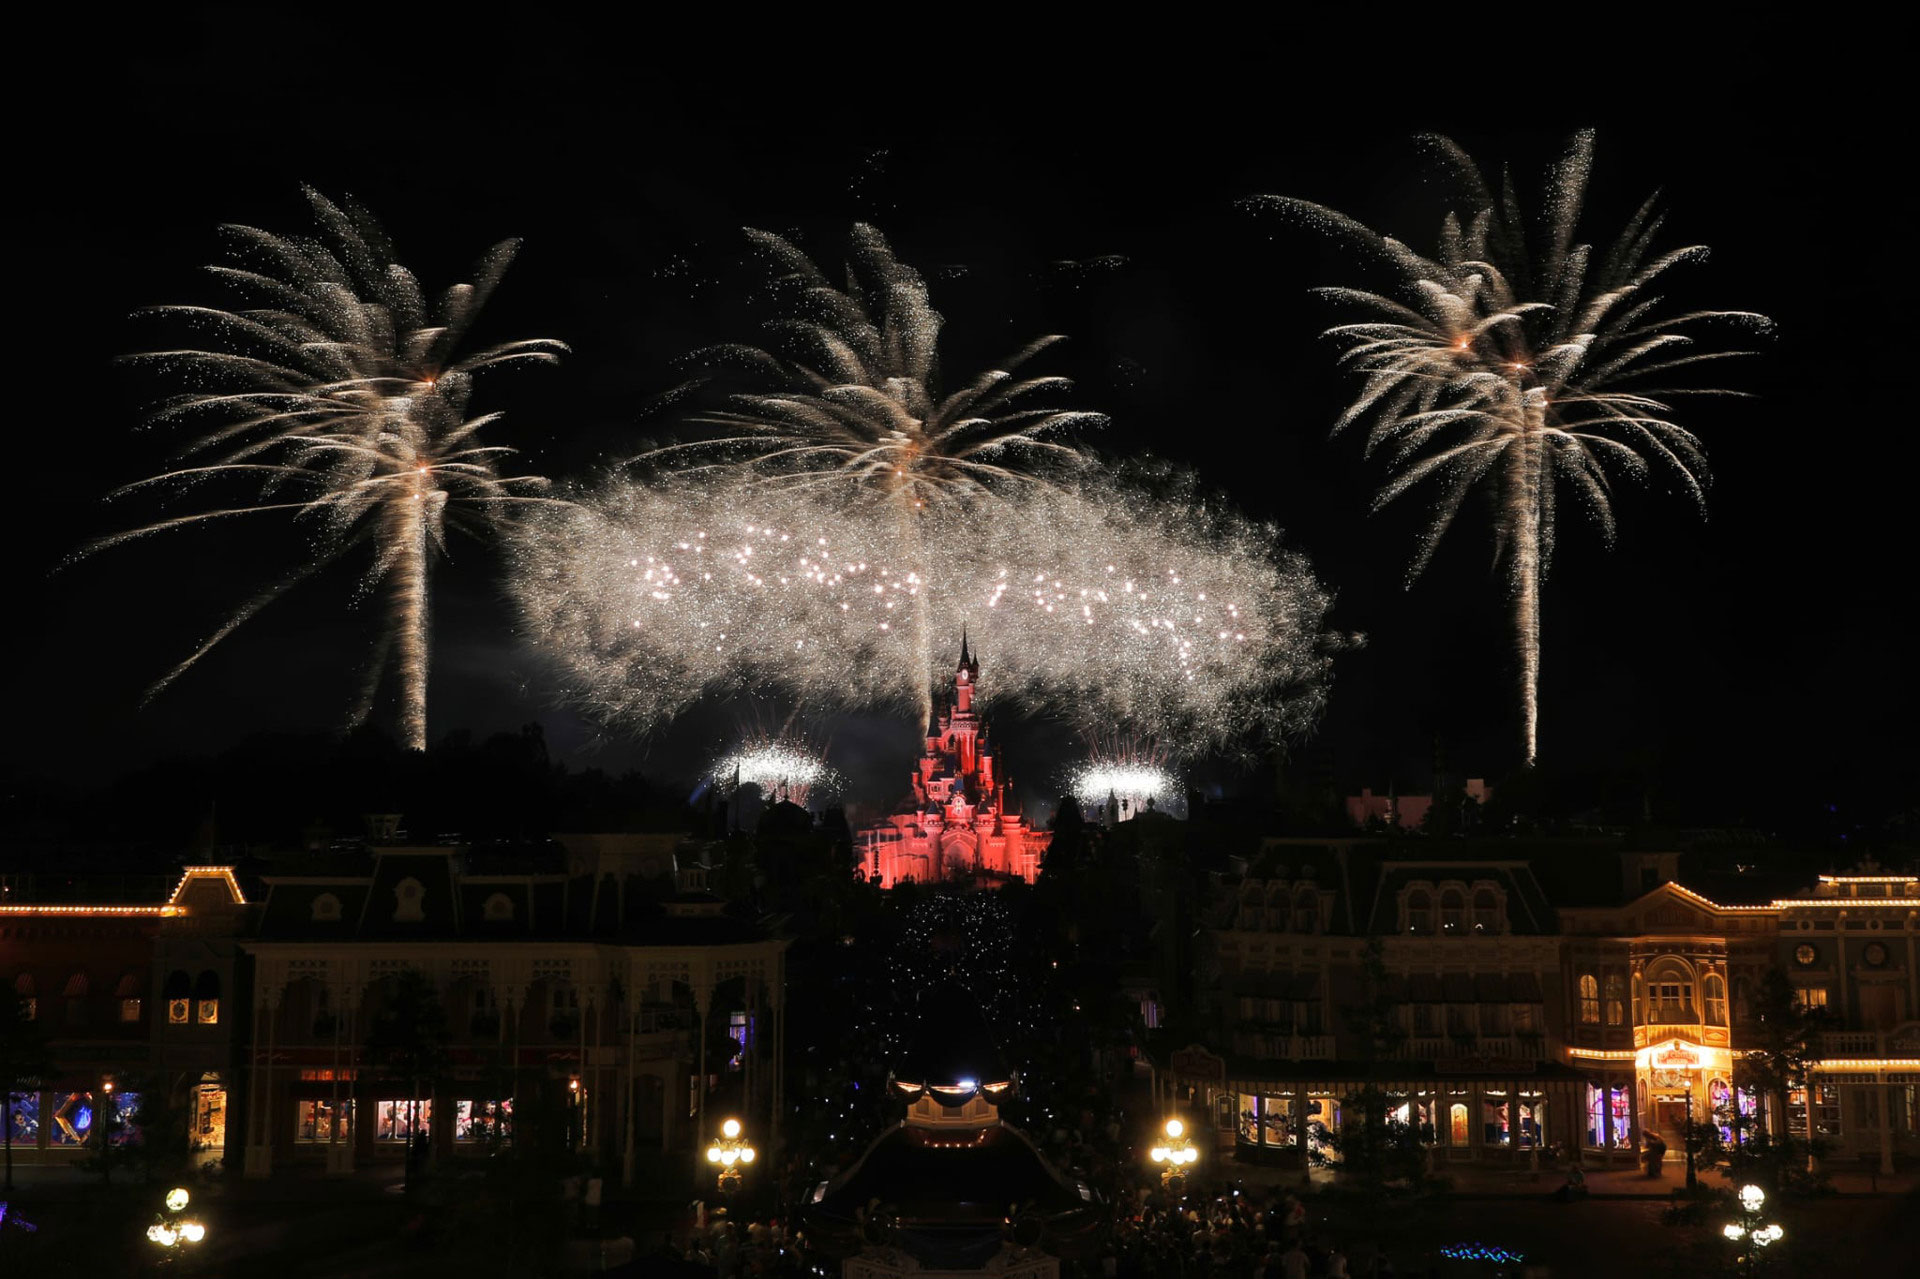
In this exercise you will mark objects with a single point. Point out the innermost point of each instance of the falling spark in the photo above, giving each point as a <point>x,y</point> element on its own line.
<point>1523,367</point>
<point>338,394</point>
<point>652,596</point>
<point>855,408</point>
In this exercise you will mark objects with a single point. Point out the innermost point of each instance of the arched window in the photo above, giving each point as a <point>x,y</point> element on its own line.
<point>179,996</point>
<point>1486,911</point>
<point>206,998</point>
<point>326,909</point>
<point>1670,993</point>
<point>1589,1000</point>
<point>408,898</point>
<point>1453,911</point>
<point>1616,1000</point>
<point>1715,991</point>
<point>1419,911</point>
<point>1306,911</point>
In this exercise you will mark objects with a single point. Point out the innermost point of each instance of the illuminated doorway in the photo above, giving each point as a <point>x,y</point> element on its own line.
<point>209,1114</point>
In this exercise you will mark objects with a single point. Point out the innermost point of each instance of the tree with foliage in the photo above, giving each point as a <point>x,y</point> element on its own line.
<point>1375,1148</point>
<point>407,1039</point>
<point>1785,1041</point>
<point>25,1063</point>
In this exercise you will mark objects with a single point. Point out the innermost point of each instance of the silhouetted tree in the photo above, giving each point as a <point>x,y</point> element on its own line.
<point>408,1040</point>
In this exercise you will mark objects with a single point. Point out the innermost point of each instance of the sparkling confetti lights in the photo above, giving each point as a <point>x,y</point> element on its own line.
<point>1519,360</point>
<point>1103,600</point>
<point>338,394</point>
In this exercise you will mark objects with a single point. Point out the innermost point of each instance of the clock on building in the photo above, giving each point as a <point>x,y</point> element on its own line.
<point>1875,954</point>
<point>1803,954</point>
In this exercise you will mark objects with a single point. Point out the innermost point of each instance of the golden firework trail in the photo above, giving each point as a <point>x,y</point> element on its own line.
<point>336,393</point>
<point>1520,359</point>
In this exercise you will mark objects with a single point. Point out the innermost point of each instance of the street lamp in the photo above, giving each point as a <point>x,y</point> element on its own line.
<point>730,1153</point>
<point>172,1229</point>
<point>1756,1235</point>
<point>1176,1152</point>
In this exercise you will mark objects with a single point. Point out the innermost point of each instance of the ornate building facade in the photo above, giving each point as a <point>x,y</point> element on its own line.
<point>957,820</point>
<point>1498,1023</point>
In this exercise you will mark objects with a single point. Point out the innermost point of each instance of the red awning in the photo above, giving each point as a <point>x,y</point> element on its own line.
<point>132,986</point>
<point>76,986</point>
<point>23,985</point>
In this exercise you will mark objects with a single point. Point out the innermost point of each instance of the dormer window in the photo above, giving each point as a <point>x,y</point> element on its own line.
<point>409,895</point>
<point>1419,911</point>
<point>326,909</point>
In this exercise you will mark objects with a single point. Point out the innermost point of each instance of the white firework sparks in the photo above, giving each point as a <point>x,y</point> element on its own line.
<point>1523,367</point>
<point>790,769</point>
<point>340,397</point>
<point>1102,601</point>
<point>856,410</point>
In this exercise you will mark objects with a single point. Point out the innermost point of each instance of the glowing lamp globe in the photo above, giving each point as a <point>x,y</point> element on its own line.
<point>746,1156</point>
<point>192,1231</point>
<point>730,1129</point>
<point>1160,1154</point>
<point>1175,1128</point>
<point>1732,1231</point>
<point>713,1154</point>
<point>176,1199</point>
<point>1751,1197</point>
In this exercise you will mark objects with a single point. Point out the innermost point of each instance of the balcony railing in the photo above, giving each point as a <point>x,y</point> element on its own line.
<point>1852,1043</point>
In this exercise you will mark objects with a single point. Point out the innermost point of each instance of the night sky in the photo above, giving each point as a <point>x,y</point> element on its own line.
<point>1755,665</point>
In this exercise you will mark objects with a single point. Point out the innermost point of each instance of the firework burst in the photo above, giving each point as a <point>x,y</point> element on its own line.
<point>1518,359</point>
<point>1129,773</point>
<point>789,768</point>
<point>1101,601</point>
<point>337,393</point>
<point>856,411</point>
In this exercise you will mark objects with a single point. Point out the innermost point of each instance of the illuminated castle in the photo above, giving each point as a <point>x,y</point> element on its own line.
<point>957,822</point>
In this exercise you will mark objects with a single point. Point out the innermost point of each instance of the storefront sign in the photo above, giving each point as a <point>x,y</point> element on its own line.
<point>1195,1062</point>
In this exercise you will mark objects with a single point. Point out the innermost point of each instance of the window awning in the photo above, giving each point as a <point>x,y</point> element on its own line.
<point>76,987</point>
<point>179,985</point>
<point>207,985</point>
<point>132,986</point>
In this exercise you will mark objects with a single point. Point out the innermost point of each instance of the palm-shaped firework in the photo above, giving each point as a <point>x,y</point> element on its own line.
<point>1523,363</point>
<point>340,396</point>
<point>857,411</point>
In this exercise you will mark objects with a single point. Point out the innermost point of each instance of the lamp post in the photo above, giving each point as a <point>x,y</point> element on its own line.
<point>1750,1233</point>
<point>1693,1182</point>
<point>1176,1152</point>
<point>106,1133</point>
<point>173,1228</point>
<point>730,1153</point>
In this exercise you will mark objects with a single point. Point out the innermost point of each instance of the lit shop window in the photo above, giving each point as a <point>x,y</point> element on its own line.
<point>1811,996</point>
<point>320,1121</point>
<point>483,1120</point>
<point>125,1105</point>
<point>1826,1110</point>
<point>400,1120</point>
<point>738,1031</point>
<point>1494,1129</point>
<point>129,1010</point>
<point>23,1118</point>
<point>73,1116</point>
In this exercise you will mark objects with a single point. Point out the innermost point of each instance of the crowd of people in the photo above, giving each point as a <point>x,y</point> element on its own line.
<point>1228,1232</point>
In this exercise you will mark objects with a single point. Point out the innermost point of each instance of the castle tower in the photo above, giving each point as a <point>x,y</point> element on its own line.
<point>957,819</point>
